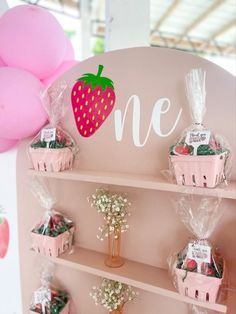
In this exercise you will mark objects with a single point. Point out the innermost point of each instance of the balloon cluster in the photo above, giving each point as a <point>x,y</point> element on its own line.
<point>34,52</point>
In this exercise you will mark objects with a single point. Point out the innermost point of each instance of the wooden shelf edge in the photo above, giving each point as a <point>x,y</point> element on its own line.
<point>137,181</point>
<point>142,276</point>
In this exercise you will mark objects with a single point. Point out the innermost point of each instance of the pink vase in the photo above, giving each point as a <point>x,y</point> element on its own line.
<point>114,259</point>
<point>120,310</point>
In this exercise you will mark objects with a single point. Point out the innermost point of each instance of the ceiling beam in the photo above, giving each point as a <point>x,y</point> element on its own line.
<point>224,29</point>
<point>219,32</point>
<point>168,12</point>
<point>202,17</point>
<point>190,44</point>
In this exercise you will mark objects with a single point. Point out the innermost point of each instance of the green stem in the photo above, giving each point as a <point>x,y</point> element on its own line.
<point>113,245</point>
<point>100,68</point>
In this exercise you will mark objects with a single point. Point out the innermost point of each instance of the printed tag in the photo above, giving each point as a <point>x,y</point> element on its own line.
<point>48,135</point>
<point>197,138</point>
<point>42,295</point>
<point>199,252</point>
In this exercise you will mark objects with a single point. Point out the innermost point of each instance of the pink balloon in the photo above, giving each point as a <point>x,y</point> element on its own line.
<point>70,54</point>
<point>59,72</point>
<point>32,39</point>
<point>21,110</point>
<point>5,144</point>
<point>2,64</point>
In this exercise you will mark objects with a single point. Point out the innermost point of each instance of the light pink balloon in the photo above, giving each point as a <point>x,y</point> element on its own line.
<point>32,39</point>
<point>21,110</point>
<point>2,64</point>
<point>59,72</point>
<point>70,54</point>
<point>5,144</point>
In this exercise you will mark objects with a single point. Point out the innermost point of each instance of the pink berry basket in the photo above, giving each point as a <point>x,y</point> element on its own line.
<point>48,159</point>
<point>202,171</point>
<point>52,246</point>
<point>198,286</point>
<point>65,310</point>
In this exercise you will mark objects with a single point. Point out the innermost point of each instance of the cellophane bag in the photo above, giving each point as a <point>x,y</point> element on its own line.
<point>53,234</point>
<point>53,149</point>
<point>48,299</point>
<point>198,270</point>
<point>199,157</point>
<point>194,309</point>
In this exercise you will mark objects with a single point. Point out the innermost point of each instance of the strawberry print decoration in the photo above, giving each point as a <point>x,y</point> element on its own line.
<point>4,235</point>
<point>92,99</point>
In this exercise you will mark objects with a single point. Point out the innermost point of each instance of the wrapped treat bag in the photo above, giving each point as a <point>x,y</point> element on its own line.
<point>194,309</point>
<point>198,158</point>
<point>53,149</point>
<point>49,299</point>
<point>53,235</point>
<point>198,269</point>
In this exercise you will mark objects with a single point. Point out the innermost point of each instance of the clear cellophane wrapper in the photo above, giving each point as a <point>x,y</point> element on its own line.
<point>53,149</point>
<point>53,224</point>
<point>194,309</point>
<point>49,299</point>
<point>199,157</point>
<point>198,269</point>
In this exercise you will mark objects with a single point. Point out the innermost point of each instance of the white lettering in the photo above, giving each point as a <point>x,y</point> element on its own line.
<point>158,111</point>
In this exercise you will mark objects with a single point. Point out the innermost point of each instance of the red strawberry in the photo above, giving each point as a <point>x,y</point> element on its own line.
<point>4,237</point>
<point>60,135</point>
<point>191,264</point>
<point>57,218</point>
<point>54,293</point>
<point>181,150</point>
<point>210,272</point>
<point>93,99</point>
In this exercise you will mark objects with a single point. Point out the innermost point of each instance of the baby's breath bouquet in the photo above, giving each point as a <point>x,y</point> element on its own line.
<point>113,295</point>
<point>114,208</point>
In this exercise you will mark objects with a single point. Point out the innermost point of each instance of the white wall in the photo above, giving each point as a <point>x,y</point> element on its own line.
<point>3,6</point>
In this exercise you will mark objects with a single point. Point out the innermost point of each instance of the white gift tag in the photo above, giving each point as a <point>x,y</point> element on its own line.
<point>197,138</point>
<point>41,295</point>
<point>48,135</point>
<point>199,252</point>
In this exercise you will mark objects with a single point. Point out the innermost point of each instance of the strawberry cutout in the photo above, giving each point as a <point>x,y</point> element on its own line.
<point>4,235</point>
<point>92,99</point>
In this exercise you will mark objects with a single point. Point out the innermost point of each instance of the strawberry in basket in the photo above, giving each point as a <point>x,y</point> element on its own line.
<point>198,158</point>
<point>198,270</point>
<point>53,149</point>
<point>48,299</point>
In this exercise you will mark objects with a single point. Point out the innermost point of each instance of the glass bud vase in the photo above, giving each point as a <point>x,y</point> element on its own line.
<point>114,259</point>
<point>119,310</point>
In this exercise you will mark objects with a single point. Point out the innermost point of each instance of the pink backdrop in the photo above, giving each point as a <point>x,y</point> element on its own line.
<point>156,231</point>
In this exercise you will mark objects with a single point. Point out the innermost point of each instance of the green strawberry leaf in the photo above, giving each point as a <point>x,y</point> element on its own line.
<point>1,220</point>
<point>97,80</point>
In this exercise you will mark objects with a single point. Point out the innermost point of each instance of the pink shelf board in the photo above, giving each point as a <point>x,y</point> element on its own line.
<point>138,181</point>
<point>146,277</point>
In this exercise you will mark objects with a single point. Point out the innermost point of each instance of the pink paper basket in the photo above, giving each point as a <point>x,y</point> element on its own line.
<point>203,171</point>
<point>48,159</point>
<point>65,310</point>
<point>198,286</point>
<point>52,246</point>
